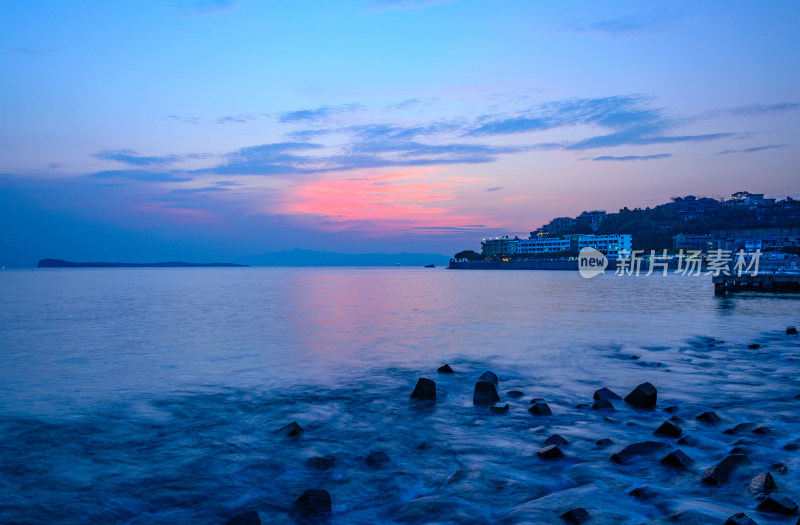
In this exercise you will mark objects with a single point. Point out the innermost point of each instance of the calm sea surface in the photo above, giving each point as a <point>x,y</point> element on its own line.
<point>152,395</point>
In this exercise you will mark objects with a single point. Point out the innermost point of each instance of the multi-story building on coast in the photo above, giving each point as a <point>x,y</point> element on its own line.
<point>610,245</point>
<point>688,241</point>
<point>499,246</point>
<point>756,239</point>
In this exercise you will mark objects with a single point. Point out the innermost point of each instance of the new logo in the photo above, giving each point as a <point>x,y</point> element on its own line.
<point>591,262</point>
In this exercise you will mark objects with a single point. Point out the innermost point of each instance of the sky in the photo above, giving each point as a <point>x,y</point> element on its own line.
<point>210,130</point>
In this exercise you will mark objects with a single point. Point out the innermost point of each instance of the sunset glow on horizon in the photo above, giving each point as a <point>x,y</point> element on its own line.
<point>217,128</point>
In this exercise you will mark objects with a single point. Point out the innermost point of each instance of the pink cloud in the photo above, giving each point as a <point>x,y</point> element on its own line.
<point>400,200</point>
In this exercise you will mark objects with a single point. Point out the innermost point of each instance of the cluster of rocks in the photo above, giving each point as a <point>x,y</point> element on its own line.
<point>315,504</point>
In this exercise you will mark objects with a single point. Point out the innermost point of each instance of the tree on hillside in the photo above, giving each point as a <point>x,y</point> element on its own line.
<point>469,255</point>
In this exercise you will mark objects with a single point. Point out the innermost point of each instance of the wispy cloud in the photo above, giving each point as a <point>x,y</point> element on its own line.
<point>628,25</point>
<point>317,114</point>
<point>132,158</point>
<point>627,158</point>
<point>27,51</point>
<point>753,149</point>
<point>142,175</point>
<point>496,188</point>
<point>185,120</point>
<point>765,109</point>
<point>240,118</point>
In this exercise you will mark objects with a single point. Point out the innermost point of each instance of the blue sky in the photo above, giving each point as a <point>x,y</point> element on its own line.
<point>216,129</point>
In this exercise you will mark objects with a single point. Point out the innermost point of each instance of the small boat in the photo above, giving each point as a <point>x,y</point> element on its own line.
<point>430,266</point>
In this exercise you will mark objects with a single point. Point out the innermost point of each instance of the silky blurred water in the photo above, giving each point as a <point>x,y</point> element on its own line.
<point>151,395</point>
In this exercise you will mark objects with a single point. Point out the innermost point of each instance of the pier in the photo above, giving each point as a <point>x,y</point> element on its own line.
<point>767,282</point>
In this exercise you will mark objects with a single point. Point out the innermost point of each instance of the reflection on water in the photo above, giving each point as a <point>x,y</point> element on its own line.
<point>151,395</point>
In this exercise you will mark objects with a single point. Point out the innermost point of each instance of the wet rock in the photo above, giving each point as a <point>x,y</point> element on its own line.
<point>313,502</point>
<point>739,450</point>
<point>425,390</point>
<point>792,445</point>
<point>378,459</point>
<point>740,519</point>
<point>290,430</point>
<point>445,369</point>
<point>676,419</point>
<point>779,468</point>
<point>540,409</point>
<point>499,408</point>
<point>761,485</point>
<point>644,448</point>
<point>321,462</point>
<point>605,442</point>
<point>690,517</point>
<point>791,330</point>
<point>605,393</point>
<point>246,518</point>
<point>537,400</point>
<point>576,516</point>
<point>603,404</point>
<point>677,459</point>
<point>550,452</point>
<point>741,427</point>
<point>762,430</point>
<point>515,394</point>
<point>719,473</point>
<point>643,396</point>
<point>556,439</point>
<point>754,346</point>
<point>671,409</point>
<point>668,429</point>
<point>644,493</point>
<point>489,376</point>
<point>709,417</point>
<point>779,504</point>
<point>485,393</point>
<point>582,406</point>
<point>688,441</point>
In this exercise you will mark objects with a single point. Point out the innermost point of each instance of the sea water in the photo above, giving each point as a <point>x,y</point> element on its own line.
<point>153,395</point>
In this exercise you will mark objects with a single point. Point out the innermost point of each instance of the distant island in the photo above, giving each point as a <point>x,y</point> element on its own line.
<point>58,263</point>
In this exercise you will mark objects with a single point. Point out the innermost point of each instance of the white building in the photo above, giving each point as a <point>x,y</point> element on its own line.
<point>499,246</point>
<point>610,245</point>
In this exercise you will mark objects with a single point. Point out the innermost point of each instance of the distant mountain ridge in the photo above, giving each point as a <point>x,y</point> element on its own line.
<point>300,257</point>
<point>58,263</point>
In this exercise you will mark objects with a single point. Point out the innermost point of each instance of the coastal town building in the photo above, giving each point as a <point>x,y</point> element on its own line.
<point>610,245</point>
<point>499,246</point>
<point>696,242</point>
<point>592,218</point>
<point>763,239</point>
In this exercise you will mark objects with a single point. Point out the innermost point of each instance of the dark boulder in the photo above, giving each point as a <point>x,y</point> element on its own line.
<point>485,393</point>
<point>677,459</point>
<point>378,459</point>
<point>605,393</point>
<point>603,404</point>
<point>762,431</point>
<point>709,417</point>
<point>671,409</point>
<point>290,430</point>
<point>740,519</point>
<point>445,369</point>
<point>719,473</point>
<point>778,504</point>
<point>489,376</point>
<point>792,445</point>
<point>575,516</point>
<point>499,408</point>
<point>644,493</point>
<point>313,502</point>
<point>791,330</point>
<point>582,406</point>
<point>780,468</point>
<point>644,448</point>
<point>515,394</point>
<point>668,429</point>
<point>246,518</point>
<point>754,346</point>
<point>688,441</point>
<point>556,439</point>
<point>604,442</point>
<point>550,452</point>
<point>321,463</point>
<point>643,396</point>
<point>425,390</point>
<point>761,485</point>
<point>540,409</point>
<point>741,427</point>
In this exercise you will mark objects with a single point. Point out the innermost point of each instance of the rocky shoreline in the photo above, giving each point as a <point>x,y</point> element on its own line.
<point>605,459</point>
